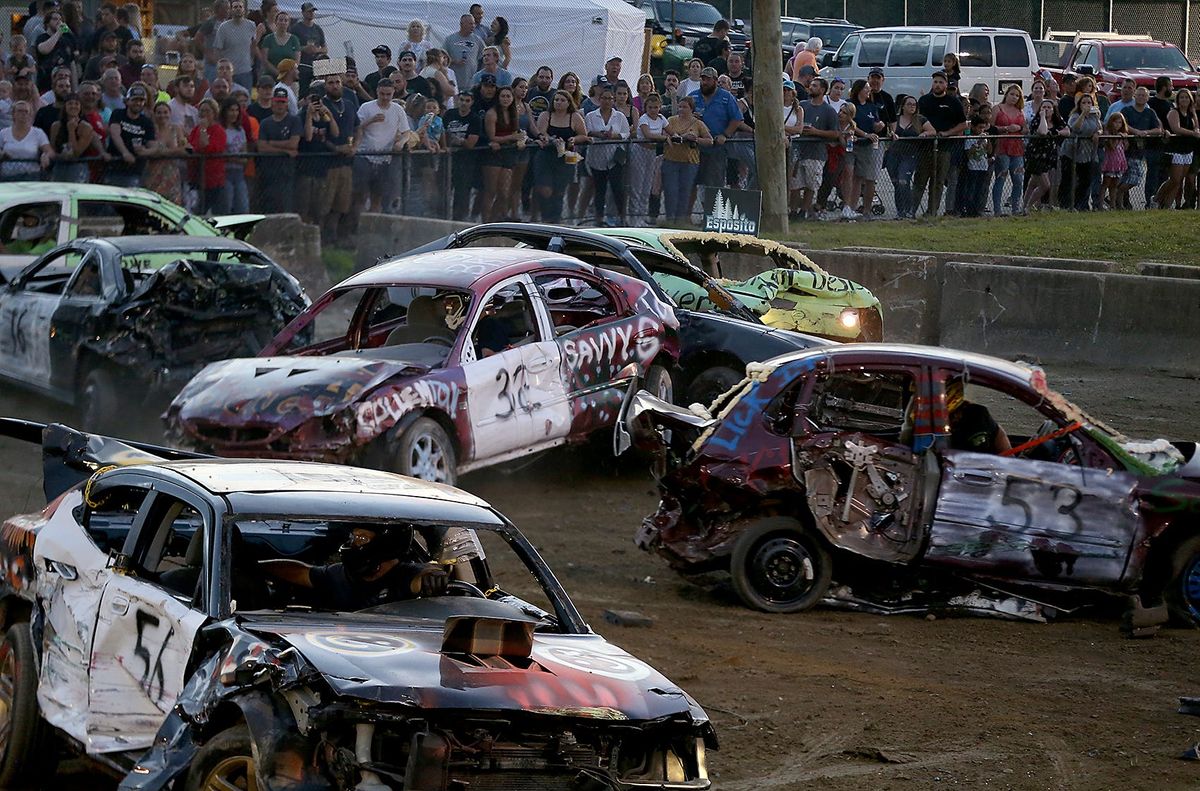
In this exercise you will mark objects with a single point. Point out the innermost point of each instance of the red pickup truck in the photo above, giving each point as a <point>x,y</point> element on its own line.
<point>1111,58</point>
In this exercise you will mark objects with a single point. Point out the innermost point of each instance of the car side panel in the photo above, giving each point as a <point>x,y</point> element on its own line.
<point>25,336</point>
<point>69,606</point>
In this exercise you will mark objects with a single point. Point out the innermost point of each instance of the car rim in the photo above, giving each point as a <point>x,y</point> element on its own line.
<point>783,569</point>
<point>1191,587</point>
<point>428,460</point>
<point>232,774</point>
<point>8,682</point>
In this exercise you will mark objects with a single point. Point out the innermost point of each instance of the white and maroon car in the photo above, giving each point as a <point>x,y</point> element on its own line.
<point>439,364</point>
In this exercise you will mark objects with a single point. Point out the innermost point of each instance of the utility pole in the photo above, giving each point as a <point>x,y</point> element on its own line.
<point>770,145</point>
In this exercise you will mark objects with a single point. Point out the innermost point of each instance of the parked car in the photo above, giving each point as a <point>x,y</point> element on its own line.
<point>65,211</point>
<point>852,465</point>
<point>786,290</point>
<point>997,57</point>
<point>105,324</point>
<point>676,26</point>
<point>1111,58</point>
<point>148,626</point>
<point>832,33</point>
<point>438,364</point>
<point>718,331</point>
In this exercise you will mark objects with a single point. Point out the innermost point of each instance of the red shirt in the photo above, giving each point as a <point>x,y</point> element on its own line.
<point>1007,115</point>
<point>214,167</point>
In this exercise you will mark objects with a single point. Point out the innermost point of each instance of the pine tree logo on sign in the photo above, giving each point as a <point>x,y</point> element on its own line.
<point>732,211</point>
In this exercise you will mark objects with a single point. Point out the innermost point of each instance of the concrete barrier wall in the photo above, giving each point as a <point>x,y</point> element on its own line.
<point>385,235</point>
<point>1058,316</point>
<point>296,247</point>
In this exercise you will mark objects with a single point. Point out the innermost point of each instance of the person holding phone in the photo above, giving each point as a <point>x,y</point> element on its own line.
<point>319,128</point>
<point>681,159</point>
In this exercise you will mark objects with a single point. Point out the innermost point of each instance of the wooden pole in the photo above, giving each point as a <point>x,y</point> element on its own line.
<point>770,145</point>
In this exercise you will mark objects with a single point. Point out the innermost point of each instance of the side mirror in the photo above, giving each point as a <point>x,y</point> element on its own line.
<point>827,59</point>
<point>1088,70</point>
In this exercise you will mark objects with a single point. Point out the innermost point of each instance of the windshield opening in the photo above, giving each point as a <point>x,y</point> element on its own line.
<point>287,562</point>
<point>831,36</point>
<point>689,13</point>
<point>1150,58</point>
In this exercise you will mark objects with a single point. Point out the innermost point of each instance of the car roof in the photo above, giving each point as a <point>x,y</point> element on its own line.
<point>35,190</point>
<point>460,268</point>
<point>908,353</point>
<point>940,29</point>
<point>170,243</point>
<point>1107,43</point>
<point>229,476</point>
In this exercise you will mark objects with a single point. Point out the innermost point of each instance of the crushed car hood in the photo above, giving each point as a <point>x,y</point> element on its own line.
<point>284,391</point>
<point>399,661</point>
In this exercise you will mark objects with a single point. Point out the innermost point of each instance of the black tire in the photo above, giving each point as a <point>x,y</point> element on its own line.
<point>778,566</point>
<point>98,400</point>
<point>711,383</point>
<point>26,749</point>
<point>229,755</point>
<point>1182,592</point>
<point>424,450</point>
<point>657,383</point>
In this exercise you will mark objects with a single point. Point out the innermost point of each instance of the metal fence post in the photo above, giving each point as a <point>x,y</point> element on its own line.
<point>1187,26</point>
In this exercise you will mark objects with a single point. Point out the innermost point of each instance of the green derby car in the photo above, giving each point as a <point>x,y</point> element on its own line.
<point>36,216</point>
<point>787,290</point>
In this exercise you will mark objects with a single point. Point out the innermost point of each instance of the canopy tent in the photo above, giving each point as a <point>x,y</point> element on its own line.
<point>577,36</point>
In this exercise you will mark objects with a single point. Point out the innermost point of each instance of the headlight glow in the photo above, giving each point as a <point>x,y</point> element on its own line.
<point>849,318</point>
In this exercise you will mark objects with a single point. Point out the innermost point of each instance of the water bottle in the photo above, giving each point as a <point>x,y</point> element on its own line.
<point>850,144</point>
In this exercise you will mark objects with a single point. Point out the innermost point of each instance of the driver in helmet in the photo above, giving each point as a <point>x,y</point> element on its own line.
<point>971,425</point>
<point>377,564</point>
<point>33,234</point>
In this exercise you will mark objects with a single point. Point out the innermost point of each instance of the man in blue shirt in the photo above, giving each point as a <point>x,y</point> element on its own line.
<point>720,112</point>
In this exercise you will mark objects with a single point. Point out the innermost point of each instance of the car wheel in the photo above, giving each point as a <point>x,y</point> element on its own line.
<point>425,451</point>
<point>98,400</point>
<point>777,566</point>
<point>1183,583</point>
<point>225,762</point>
<point>711,383</point>
<point>658,383</point>
<point>25,748</point>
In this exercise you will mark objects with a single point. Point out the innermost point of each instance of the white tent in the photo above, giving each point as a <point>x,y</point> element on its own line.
<point>574,36</point>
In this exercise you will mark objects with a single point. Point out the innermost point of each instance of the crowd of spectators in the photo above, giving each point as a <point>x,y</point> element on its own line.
<point>247,110</point>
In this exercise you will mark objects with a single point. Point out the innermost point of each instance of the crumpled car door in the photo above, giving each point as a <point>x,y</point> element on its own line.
<point>863,492</point>
<point>1033,520</point>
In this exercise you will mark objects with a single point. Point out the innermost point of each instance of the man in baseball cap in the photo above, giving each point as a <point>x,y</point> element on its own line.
<point>130,130</point>
<point>612,73</point>
<point>383,62</point>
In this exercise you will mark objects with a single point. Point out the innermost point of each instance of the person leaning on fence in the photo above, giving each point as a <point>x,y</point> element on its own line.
<point>1009,121</point>
<point>686,135</point>
<point>1181,146</point>
<point>559,129</point>
<point>867,155</point>
<point>464,128</point>
<point>73,139</point>
<point>605,158</point>
<point>278,134</point>
<point>208,140</point>
<point>645,159</point>
<point>1079,151</point>
<point>977,162</point>
<point>905,152</point>
<point>24,149</point>
<point>129,134</point>
<point>720,113</point>
<point>380,123</point>
<point>1046,133</point>
<point>812,152</point>
<point>1146,144</point>
<point>236,197</point>
<point>502,128</point>
<point>945,113</point>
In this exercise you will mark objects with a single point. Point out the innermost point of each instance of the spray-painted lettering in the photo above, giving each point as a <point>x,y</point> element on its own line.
<point>378,414</point>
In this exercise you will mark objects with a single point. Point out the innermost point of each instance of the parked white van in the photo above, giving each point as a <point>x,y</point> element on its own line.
<point>908,56</point>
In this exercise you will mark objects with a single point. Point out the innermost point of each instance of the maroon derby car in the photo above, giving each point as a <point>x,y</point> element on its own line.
<point>438,364</point>
<point>839,465</point>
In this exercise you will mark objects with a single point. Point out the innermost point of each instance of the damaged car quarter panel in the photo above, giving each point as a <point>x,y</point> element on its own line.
<point>865,468</point>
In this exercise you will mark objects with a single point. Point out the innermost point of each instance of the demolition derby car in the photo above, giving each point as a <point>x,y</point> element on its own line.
<point>145,627</point>
<point>36,216</point>
<point>439,364</point>
<point>862,475</point>
<point>90,318</point>
<point>782,287</point>
<point>718,334</point>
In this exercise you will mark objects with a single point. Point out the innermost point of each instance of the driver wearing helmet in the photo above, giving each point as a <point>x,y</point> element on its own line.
<point>971,425</point>
<point>33,234</point>
<point>377,564</point>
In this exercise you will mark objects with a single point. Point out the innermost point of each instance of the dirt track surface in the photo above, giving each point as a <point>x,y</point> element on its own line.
<point>835,700</point>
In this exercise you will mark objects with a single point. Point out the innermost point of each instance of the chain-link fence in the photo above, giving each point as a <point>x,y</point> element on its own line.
<point>631,184</point>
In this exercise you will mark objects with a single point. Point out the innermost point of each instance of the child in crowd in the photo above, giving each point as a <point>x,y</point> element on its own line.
<point>977,152</point>
<point>1114,166</point>
<point>431,128</point>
